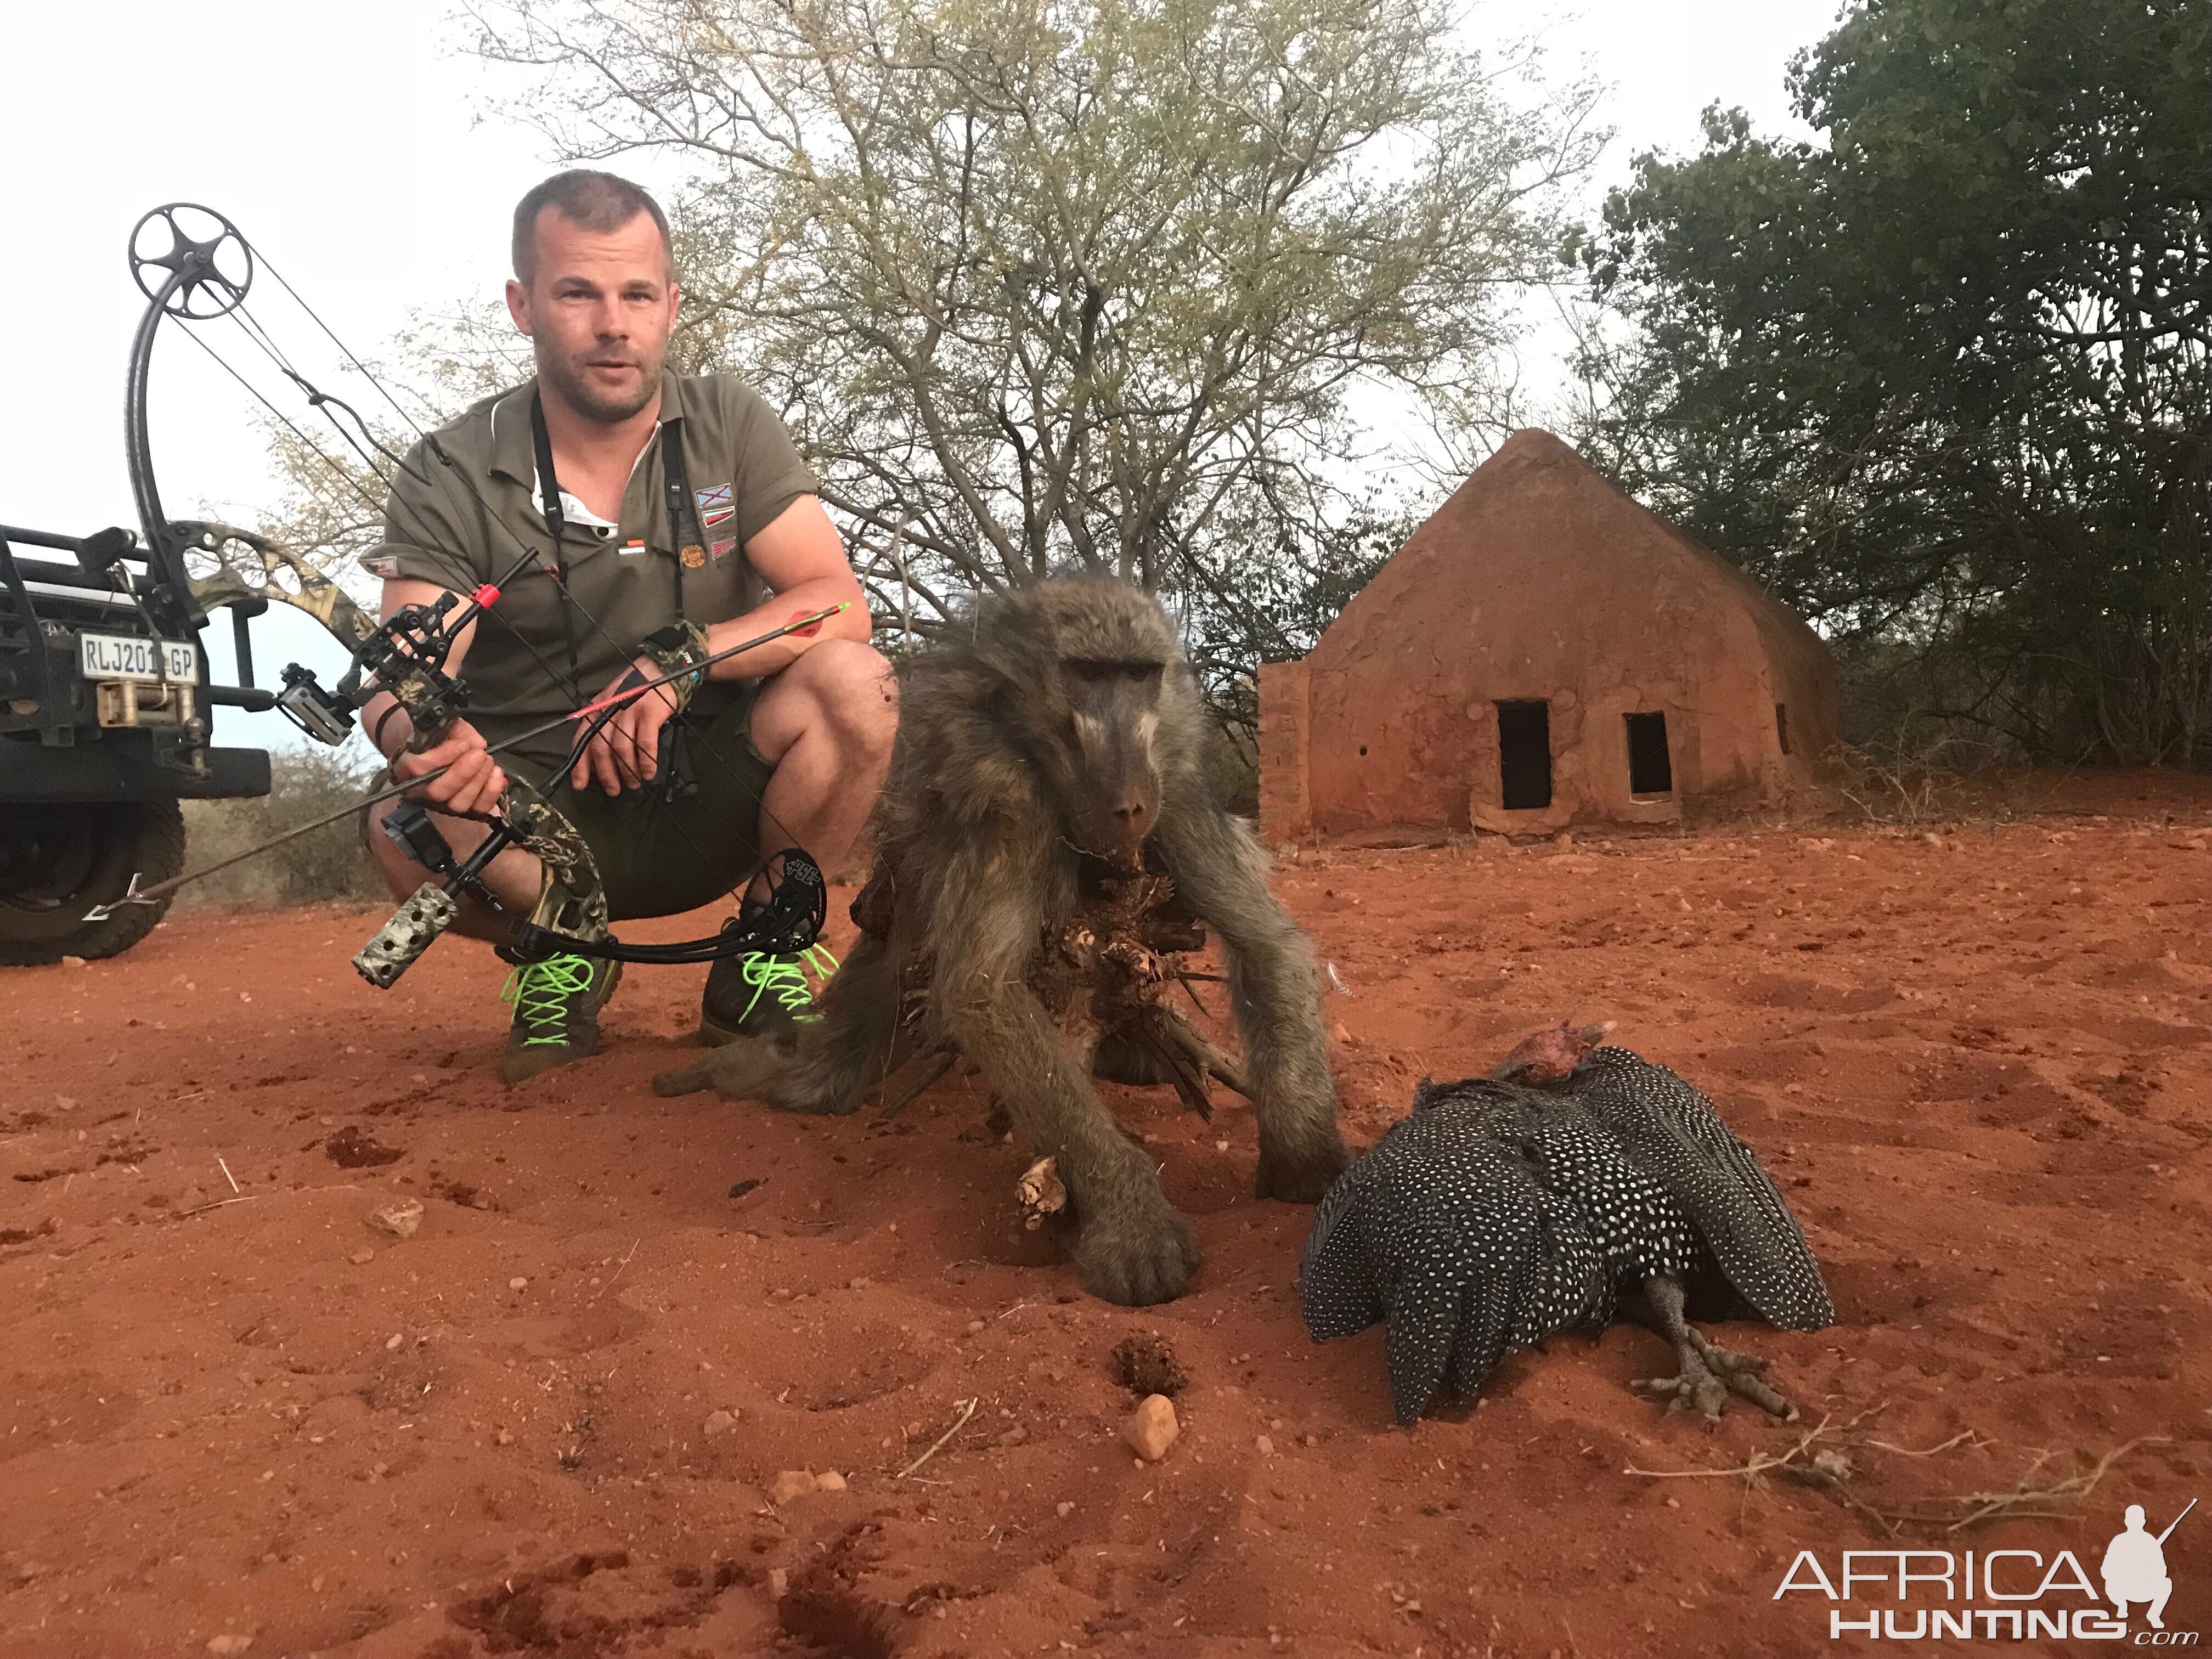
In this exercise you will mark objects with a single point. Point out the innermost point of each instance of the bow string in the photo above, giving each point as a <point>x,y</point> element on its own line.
<point>208,278</point>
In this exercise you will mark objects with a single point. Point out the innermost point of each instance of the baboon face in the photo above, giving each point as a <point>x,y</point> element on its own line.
<point>1113,793</point>
<point>1085,675</point>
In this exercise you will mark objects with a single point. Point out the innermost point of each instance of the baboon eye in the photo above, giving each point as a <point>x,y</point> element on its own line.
<point>1093,673</point>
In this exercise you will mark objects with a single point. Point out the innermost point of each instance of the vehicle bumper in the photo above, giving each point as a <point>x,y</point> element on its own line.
<point>111,769</point>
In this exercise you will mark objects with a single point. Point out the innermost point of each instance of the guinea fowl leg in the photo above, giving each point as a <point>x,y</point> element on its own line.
<point>1710,1373</point>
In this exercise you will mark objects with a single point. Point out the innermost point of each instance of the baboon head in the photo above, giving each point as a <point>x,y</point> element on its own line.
<point>1091,675</point>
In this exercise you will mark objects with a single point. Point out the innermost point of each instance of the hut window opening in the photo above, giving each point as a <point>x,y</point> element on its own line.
<point>1650,770</point>
<point>1782,725</point>
<point>1524,754</point>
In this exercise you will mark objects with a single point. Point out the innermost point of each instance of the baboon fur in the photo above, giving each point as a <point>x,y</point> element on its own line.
<point>994,785</point>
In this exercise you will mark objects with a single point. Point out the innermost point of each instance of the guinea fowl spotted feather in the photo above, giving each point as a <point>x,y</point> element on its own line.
<point>1674,1132</point>
<point>1498,1215</point>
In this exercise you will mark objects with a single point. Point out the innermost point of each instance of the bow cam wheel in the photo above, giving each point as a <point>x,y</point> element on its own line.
<point>199,245</point>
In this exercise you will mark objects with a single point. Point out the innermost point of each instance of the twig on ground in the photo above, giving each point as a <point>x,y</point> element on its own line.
<point>1821,1459</point>
<point>613,1276</point>
<point>227,1175</point>
<point>202,1209</point>
<point>967,1411</point>
<point>2022,1500</point>
<point>1974,1435</point>
<point>1826,1468</point>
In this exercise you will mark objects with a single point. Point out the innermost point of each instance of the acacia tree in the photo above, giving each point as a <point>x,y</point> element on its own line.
<point>1049,284</point>
<point>1944,380</point>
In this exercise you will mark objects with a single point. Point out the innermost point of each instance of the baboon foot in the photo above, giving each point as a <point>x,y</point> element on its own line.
<point>749,1068</point>
<point>685,1079</point>
<point>1145,1257</point>
<point>1303,1175</point>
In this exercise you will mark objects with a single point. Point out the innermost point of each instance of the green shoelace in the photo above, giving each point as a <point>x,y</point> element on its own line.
<point>786,976</point>
<point>540,992</point>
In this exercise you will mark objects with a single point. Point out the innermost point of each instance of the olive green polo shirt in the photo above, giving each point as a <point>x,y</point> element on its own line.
<point>465,504</point>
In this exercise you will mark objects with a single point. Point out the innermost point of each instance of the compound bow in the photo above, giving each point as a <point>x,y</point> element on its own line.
<point>203,565</point>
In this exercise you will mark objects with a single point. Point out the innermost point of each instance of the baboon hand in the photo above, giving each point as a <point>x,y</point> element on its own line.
<point>1301,1175</point>
<point>1137,1258</point>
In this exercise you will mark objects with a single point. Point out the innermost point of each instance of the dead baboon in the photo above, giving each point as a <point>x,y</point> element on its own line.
<point>1055,743</point>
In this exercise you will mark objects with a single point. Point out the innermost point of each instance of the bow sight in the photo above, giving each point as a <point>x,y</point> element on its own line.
<point>416,640</point>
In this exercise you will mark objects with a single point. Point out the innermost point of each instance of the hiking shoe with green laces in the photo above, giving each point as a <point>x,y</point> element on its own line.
<point>757,994</point>
<point>556,1012</point>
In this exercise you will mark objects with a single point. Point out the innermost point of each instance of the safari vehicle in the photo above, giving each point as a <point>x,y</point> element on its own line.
<point>105,722</point>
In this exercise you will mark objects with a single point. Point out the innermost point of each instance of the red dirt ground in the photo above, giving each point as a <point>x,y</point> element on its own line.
<point>1979,1066</point>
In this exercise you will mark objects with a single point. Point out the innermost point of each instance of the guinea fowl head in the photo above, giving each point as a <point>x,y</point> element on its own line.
<point>1550,1055</point>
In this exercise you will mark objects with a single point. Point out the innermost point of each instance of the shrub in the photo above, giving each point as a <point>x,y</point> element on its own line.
<point>323,865</point>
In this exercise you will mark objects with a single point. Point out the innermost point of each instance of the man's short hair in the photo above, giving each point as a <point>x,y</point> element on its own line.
<point>594,200</point>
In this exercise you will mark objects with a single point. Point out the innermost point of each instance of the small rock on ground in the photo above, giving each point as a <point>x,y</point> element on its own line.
<point>1151,1428</point>
<point>791,1484</point>
<point>400,1219</point>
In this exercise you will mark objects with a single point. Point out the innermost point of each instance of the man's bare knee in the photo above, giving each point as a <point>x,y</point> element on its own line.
<point>858,691</point>
<point>841,687</point>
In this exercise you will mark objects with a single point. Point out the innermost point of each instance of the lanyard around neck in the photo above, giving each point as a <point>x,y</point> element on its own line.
<point>684,530</point>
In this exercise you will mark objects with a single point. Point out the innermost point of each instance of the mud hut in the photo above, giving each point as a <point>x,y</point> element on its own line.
<point>1543,652</point>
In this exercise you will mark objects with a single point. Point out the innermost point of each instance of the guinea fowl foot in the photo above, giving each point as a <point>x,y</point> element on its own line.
<point>1709,1375</point>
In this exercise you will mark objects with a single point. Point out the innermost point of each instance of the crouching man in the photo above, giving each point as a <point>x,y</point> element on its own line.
<point>660,501</point>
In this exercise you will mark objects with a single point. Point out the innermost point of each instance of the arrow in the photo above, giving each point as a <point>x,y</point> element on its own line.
<point>160,890</point>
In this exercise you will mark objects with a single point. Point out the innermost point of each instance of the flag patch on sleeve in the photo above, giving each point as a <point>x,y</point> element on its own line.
<point>716,505</point>
<point>723,550</point>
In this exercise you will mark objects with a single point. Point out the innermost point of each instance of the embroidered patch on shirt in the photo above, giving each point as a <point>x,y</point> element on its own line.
<point>717,504</point>
<point>385,565</point>
<point>634,546</point>
<point>722,550</point>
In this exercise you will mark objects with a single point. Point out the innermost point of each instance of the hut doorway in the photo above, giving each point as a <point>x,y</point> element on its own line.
<point>1651,772</point>
<point>1524,754</point>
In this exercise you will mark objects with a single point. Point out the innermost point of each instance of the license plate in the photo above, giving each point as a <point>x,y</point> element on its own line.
<point>120,657</point>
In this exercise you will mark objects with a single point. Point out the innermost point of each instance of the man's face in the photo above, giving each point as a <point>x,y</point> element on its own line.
<point>598,312</point>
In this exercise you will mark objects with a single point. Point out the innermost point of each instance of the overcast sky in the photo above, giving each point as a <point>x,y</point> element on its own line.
<point>360,150</point>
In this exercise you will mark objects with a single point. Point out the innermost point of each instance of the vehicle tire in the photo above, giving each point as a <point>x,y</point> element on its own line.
<point>58,860</point>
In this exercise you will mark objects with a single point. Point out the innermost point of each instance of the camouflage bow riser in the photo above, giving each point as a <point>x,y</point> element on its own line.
<point>571,899</point>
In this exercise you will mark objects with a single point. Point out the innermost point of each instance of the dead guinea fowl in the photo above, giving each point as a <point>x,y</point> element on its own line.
<point>1574,1184</point>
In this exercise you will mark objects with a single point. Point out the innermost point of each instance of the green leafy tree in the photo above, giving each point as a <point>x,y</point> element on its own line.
<point>1052,284</point>
<point>1941,379</point>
